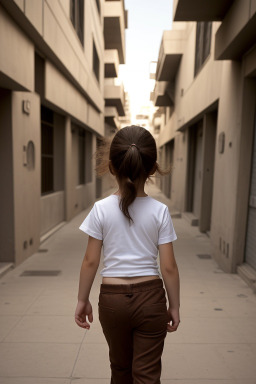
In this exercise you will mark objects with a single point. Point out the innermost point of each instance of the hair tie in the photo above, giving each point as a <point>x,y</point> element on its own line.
<point>134,145</point>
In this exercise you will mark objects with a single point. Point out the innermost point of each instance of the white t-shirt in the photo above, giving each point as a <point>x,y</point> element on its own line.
<point>130,249</point>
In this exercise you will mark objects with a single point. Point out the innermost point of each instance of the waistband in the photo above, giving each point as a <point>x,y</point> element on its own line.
<point>132,288</point>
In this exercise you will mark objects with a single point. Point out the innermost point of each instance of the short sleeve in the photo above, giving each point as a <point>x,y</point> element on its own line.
<point>166,231</point>
<point>91,225</point>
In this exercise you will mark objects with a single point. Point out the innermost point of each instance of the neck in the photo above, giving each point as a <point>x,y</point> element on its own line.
<point>140,191</point>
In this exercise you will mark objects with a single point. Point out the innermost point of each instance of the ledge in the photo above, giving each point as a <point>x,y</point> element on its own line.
<point>170,53</point>
<point>200,10</point>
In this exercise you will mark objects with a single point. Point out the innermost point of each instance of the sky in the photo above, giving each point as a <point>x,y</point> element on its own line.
<point>147,19</point>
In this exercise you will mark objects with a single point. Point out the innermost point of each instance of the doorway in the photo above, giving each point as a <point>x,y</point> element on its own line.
<point>250,245</point>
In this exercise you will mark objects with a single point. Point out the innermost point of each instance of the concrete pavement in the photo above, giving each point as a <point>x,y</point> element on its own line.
<point>41,344</point>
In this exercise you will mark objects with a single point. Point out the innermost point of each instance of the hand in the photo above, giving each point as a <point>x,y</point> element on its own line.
<point>83,309</point>
<point>174,320</point>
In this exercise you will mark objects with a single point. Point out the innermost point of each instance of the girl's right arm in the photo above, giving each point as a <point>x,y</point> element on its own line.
<point>170,274</point>
<point>88,271</point>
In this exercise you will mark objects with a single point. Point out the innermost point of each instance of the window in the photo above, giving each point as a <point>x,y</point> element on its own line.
<point>46,150</point>
<point>77,17</point>
<point>39,75</point>
<point>82,154</point>
<point>81,157</point>
<point>203,44</point>
<point>88,162</point>
<point>96,63</point>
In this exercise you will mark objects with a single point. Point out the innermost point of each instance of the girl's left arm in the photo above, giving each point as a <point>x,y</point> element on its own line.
<point>87,274</point>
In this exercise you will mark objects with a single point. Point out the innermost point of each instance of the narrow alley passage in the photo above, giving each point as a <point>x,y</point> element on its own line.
<point>40,342</point>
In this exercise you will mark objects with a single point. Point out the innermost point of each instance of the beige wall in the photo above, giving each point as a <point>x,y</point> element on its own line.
<point>71,90</point>
<point>201,91</point>
<point>26,192</point>
<point>179,171</point>
<point>192,94</point>
<point>16,63</point>
<point>52,211</point>
<point>248,131</point>
<point>60,92</point>
<point>219,85</point>
<point>62,39</point>
<point>236,34</point>
<point>226,164</point>
<point>70,81</point>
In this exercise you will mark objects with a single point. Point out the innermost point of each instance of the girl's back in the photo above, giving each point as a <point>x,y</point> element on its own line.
<point>130,248</point>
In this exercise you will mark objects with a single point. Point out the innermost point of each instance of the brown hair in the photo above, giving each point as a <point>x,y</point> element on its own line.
<point>133,156</point>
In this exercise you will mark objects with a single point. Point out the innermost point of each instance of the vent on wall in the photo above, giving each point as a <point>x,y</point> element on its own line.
<point>204,256</point>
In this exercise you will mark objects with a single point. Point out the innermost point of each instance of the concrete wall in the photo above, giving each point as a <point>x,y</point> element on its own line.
<point>179,171</point>
<point>62,39</point>
<point>193,96</point>
<point>26,178</point>
<point>17,63</point>
<point>63,94</point>
<point>51,23</point>
<point>71,90</point>
<point>70,81</point>
<point>245,165</point>
<point>223,88</point>
<point>226,164</point>
<point>201,91</point>
<point>52,211</point>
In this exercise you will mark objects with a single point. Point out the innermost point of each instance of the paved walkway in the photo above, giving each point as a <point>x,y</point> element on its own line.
<point>41,344</point>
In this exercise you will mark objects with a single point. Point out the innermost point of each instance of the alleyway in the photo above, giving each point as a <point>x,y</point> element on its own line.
<point>41,344</point>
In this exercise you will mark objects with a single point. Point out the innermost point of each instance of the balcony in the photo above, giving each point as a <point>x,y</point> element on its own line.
<point>200,10</point>
<point>115,21</point>
<point>111,117</point>
<point>170,53</point>
<point>236,35</point>
<point>111,63</point>
<point>114,95</point>
<point>163,95</point>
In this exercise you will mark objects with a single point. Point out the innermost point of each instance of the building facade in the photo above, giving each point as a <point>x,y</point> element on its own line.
<point>54,106</point>
<point>206,89</point>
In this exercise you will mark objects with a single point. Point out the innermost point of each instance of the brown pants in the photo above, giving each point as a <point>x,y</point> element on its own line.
<point>134,318</point>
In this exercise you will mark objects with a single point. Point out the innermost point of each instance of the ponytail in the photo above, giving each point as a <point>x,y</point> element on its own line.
<point>133,156</point>
<point>128,196</point>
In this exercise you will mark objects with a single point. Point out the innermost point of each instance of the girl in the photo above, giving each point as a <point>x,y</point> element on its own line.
<point>132,227</point>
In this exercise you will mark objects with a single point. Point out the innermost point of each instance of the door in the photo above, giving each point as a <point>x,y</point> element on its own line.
<point>169,163</point>
<point>250,247</point>
<point>197,191</point>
